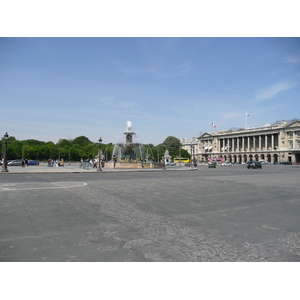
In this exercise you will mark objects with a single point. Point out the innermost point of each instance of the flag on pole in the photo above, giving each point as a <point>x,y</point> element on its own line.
<point>247,114</point>
<point>213,125</point>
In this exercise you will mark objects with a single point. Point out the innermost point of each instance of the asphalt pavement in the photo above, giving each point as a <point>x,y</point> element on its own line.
<point>227,214</point>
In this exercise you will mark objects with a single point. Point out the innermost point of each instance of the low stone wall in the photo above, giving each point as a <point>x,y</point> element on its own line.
<point>118,165</point>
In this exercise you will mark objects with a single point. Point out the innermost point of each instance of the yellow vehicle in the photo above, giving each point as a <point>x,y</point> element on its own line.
<point>182,159</point>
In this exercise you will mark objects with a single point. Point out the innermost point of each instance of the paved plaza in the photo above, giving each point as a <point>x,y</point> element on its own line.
<point>227,214</point>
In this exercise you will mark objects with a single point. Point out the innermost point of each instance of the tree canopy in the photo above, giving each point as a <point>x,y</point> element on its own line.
<point>80,147</point>
<point>172,145</point>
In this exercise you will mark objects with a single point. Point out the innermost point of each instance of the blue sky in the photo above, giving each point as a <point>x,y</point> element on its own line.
<point>52,88</point>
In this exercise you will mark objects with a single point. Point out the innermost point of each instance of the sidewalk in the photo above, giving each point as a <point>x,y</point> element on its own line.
<point>75,168</point>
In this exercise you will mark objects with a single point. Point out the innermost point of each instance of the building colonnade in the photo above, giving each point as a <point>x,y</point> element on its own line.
<point>272,143</point>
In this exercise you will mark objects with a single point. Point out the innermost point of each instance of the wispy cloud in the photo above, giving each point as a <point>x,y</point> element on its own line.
<point>294,58</point>
<point>272,91</point>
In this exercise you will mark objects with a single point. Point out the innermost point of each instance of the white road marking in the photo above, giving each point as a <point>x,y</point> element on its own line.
<point>22,186</point>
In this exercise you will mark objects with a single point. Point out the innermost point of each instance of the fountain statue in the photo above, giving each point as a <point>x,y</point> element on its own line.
<point>130,153</point>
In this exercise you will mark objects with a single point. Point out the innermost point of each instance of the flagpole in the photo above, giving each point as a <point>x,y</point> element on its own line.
<point>246,125</point>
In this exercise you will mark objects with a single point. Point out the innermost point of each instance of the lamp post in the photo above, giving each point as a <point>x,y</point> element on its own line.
<point>58,154</point>
<point>180,156</point>
<point>99,156</point>
<point>192,152</point>
<point>164,160</point>
<point>4,166</point>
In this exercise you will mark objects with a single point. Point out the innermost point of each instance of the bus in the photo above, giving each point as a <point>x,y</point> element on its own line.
<point>182,159</point>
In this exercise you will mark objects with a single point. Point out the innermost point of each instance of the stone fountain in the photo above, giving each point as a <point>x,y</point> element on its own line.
<point>130,154</point>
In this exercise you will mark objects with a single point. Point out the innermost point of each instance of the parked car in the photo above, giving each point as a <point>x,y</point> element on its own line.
<point>226,164</point>
<point>253,164</point>
<point>187,165</point>
<point>286,163</point>
<point>16,162</point>
<point>212,164</point>
<point>170,163</point>
<point>33,162</point>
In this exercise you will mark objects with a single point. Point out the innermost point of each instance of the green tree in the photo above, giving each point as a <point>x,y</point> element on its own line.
<point>183,153</point>
<point>49,150</point>
<point>63,143</point>
<point>158,151</point>
<point>91,150</point>
<point>81,141</point>
<point>14,148</point>
<point>26,151</point>
<point>172,145</point>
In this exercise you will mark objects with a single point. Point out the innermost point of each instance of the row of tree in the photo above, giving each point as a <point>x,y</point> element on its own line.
<point>80,147</point>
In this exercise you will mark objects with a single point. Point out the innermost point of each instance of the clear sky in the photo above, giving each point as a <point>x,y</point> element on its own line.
<point>52,88</point>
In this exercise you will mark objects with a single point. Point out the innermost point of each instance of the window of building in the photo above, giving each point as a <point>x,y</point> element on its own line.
<point>298,144</point>
<point>291,145</point>
<point>290,134</point>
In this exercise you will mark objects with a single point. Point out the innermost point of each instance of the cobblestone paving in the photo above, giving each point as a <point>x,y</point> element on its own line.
<point>224,215</point>
<point>159,238</point>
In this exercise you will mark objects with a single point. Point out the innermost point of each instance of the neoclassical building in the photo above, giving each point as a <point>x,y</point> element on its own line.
<point>274,143</point>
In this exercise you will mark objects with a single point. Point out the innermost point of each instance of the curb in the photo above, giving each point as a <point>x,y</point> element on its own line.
<point>103,171</point>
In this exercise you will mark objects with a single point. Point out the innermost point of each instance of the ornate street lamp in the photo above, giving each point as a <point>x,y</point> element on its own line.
<point>99,156</point>
<point>4,166</point>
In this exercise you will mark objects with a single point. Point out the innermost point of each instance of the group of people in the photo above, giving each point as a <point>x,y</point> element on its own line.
<point>58,163</point>
<point>93,163</point>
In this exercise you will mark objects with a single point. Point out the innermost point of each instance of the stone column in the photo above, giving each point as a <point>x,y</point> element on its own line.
<point>272,141</point>
<point>294,142</point>
<point>259,142</point>
<point>238,144</point>
<point>233,145</point>
<point>254,140</point>
<point>248,143</point>
<point>266,142</point>
<point>243,144</point>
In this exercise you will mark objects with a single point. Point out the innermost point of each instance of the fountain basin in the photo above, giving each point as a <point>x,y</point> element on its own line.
<point>130,165</point>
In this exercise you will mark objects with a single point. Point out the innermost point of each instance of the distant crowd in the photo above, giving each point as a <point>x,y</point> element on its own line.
<point>58,163</point>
